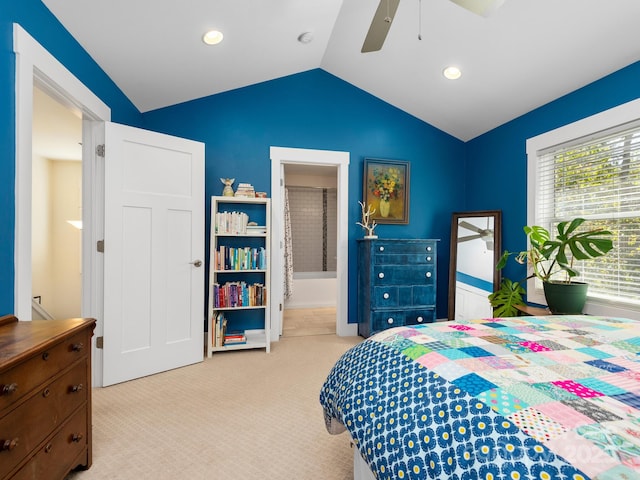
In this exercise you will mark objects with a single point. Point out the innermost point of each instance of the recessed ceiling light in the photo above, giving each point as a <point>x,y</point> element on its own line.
<point>452,73</point>
<point>212,37</point>
<point>305,37</point>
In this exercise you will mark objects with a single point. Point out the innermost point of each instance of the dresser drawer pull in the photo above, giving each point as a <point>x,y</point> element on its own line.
<point>428,249</point>
<point>381,249</point>
<point>77,437</point>
<point>428,258</point>
<point>8,445</point>
<point>46,392</point>
<point>390,320</point>
<point>75,388</point>
<point>48,448</point>
<point>76,347</point>
<point>8,389</point>
<point>420,319</point>
<point>428,274</point>
<point>381,275</point>
<point>385,295</point>
<point>45,356</point>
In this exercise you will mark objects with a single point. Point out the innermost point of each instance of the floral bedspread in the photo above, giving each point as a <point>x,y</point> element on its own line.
<point>554,397</point>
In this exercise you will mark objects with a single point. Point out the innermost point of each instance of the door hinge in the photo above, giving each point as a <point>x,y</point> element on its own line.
<point>100,150</point>
<point>100,246</point>
<point>280,306</point>
<point>100,342</point>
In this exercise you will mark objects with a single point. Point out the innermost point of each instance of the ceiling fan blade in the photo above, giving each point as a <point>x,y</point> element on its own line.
<point>470,237</point>
<point>480,7</point>
<point>380,25</point>
<point>470,226</point>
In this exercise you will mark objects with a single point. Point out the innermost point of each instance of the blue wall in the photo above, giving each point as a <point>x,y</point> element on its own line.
<point>316,110</point>
<point>496,170</point>
<point>36,19</point>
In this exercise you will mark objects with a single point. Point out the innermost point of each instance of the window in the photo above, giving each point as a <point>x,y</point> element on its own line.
<point>591,169</point>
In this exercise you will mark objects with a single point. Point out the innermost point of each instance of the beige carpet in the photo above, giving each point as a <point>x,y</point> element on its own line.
<point>239,415</point>
<point>298,322</point>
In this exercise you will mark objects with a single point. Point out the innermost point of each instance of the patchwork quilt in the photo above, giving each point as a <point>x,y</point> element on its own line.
<point>554,397</point>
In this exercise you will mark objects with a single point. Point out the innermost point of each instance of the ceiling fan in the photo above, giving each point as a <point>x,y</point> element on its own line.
<point>486,234</point>
<point>386,11</point>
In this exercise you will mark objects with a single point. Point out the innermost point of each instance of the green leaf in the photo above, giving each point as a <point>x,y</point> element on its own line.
<point>506,298</point>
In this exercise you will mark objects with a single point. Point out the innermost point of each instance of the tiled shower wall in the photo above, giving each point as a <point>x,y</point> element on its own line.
<point>313,213</point>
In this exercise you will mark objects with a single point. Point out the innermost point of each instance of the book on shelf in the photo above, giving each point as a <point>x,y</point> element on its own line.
<point>219,330</point>
<point>245,190</point>
<point>240,258</point>
<point>235,338</point>
<point>239,294</point>
<point>231,223</point>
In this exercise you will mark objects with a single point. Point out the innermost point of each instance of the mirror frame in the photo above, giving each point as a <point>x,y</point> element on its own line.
<point>497,251</point>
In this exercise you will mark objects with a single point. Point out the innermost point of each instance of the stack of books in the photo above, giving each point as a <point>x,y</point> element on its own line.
<point>234,338</point>
<point>245,190</point>
<point>219,330</point>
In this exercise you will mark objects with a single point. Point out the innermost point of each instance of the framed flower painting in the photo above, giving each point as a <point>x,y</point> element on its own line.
<point>386,189</point>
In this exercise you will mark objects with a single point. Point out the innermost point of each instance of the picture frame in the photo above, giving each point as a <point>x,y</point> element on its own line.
<point>385,187</point>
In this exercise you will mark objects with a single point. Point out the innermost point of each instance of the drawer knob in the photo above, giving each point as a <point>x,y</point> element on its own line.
<point>385,295</point>
<point>381,275</point>
<point>76,347</point>
<point>75,388</point>
<point>45,356</point>
<point>8,389</point>
<point>48,448</point>
<point>382,249</point>
<point>8,445</point>
<point>428,274</point>
<point>390,320</point>
<point>428,258</point>
<point>77,437</point>
<point>420,319</point>
<point>46,392</point>
<point>428,249</point>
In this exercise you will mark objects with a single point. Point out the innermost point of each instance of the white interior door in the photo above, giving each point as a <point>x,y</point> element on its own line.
<point>153,253</point>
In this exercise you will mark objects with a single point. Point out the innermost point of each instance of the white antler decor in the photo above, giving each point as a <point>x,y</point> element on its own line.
<point>366,217</point>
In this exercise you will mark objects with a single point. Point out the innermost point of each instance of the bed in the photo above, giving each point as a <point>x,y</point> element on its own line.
<point>549,397</point>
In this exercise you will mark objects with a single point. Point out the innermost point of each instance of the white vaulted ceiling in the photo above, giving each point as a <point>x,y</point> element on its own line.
<point>526,54</point>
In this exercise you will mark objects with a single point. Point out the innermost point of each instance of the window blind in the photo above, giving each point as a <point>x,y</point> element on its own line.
<point>598,178</point>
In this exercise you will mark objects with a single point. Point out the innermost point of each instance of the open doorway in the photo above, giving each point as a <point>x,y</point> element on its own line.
<point>56,209</point>
<point>310,292</point>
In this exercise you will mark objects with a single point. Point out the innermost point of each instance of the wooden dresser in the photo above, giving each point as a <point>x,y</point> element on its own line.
<point>396,283</point>
<point>45,397</point>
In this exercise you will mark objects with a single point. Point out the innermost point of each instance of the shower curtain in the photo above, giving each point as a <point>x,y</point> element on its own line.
<point>288,248</point>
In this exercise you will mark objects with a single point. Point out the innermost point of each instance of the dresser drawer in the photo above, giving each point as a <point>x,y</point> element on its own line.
<point>381,320</point>
<point>403,259</point>
<point>61,453</point>
<point>419,316</point>
<point>24,377</point>
<point>403,247</point>
<point>387,296</point>
<point>40,414</point>
<point>407,275</point>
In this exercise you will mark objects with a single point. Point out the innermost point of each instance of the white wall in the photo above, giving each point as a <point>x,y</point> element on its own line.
<point>41,254</point>
<point>312,293</point>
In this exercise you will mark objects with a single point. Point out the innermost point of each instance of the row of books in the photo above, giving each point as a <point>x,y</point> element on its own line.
<point>221,337</point>
<point>239,294</point>
<point>242,258</point>
<point>231,223</point>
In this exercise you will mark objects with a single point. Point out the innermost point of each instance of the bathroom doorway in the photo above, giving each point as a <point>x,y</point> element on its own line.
<point>311,201</point>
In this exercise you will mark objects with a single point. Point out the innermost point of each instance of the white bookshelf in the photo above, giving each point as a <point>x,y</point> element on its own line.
<point>258,210</point>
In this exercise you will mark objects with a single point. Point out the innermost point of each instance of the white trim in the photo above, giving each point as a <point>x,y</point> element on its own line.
<point>625,113</point>
<point>35,64</point>
<point>283,155</point>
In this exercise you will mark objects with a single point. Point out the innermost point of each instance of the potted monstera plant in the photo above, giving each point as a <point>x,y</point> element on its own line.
<point>552,261</point>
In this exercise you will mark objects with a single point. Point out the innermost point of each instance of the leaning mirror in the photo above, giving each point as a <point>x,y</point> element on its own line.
<point>475,251</point>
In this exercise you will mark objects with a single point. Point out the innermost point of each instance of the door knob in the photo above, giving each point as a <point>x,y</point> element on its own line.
<point>196,263</point>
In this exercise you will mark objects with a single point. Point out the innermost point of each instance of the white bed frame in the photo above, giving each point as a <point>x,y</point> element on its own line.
<point>361,470</point>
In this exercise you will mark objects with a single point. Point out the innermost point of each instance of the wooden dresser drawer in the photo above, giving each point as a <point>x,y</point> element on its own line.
<point>403,275</point>
<point>20,380</point>
<point>40,414</point>
<point>59,454</point>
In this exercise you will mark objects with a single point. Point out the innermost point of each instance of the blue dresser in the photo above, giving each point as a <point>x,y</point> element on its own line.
<point>396,283</point>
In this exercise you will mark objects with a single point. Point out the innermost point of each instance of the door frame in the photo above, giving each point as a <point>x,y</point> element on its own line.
<point>301,156</point>
<point>34,64</point>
